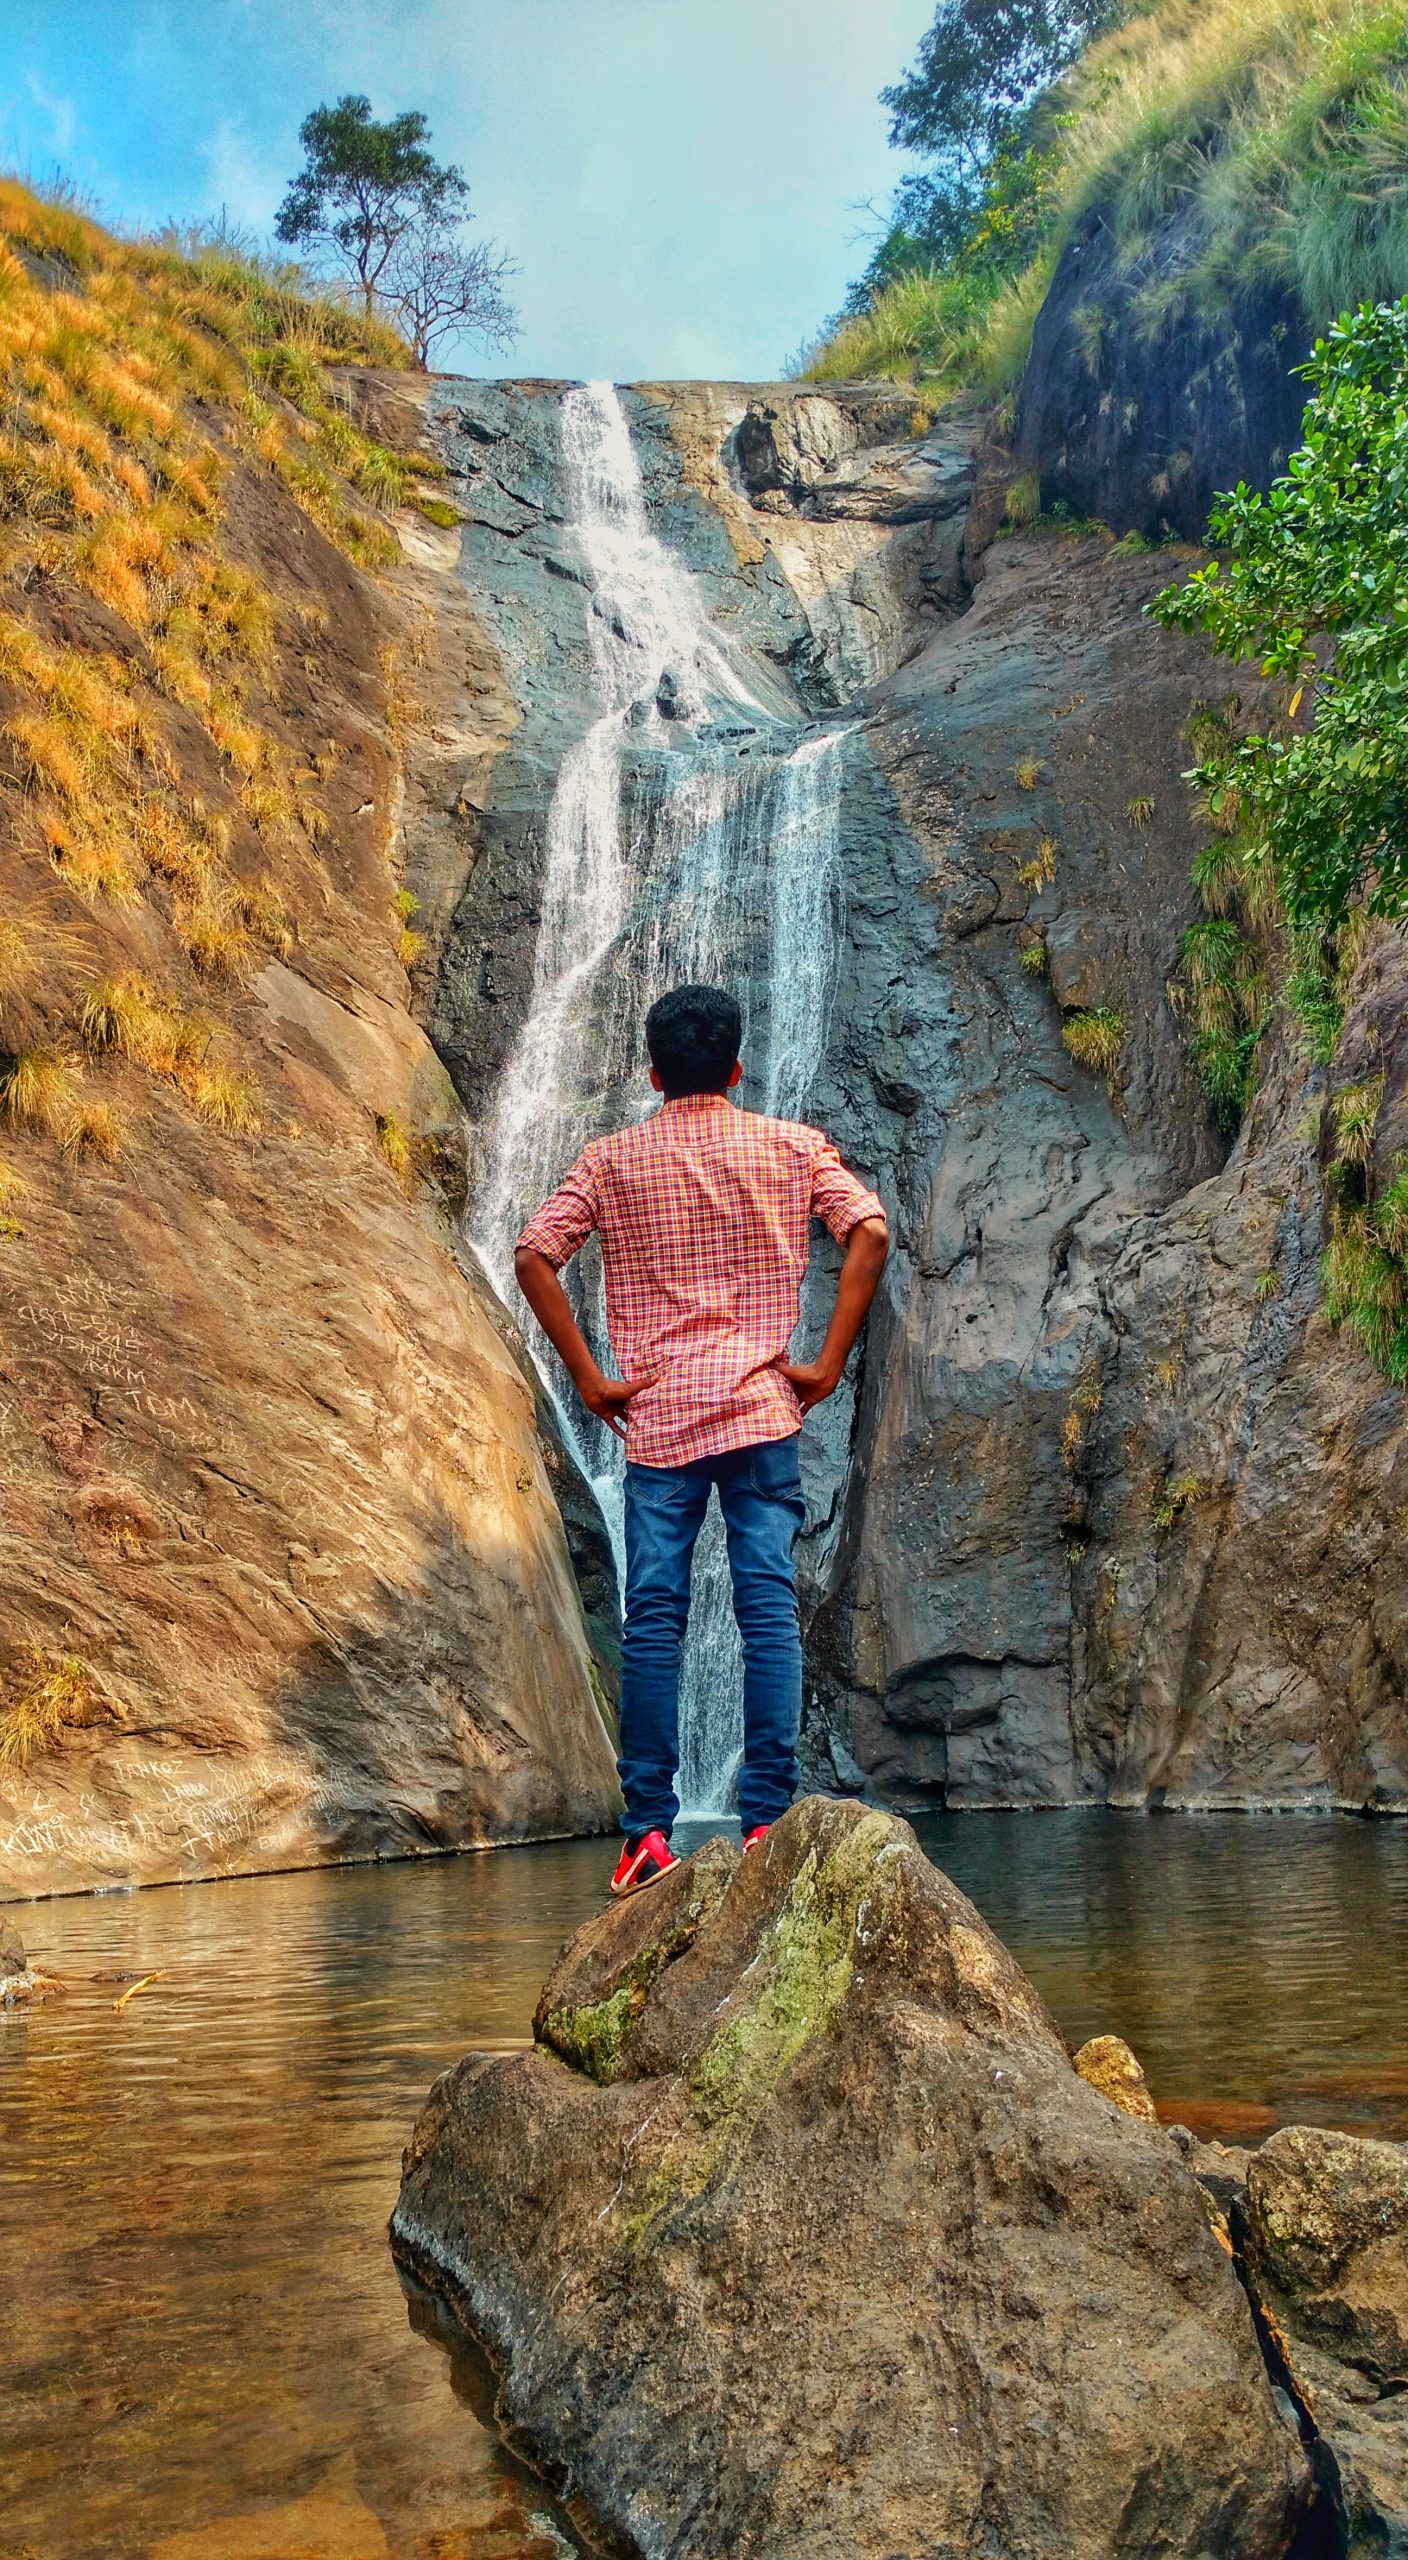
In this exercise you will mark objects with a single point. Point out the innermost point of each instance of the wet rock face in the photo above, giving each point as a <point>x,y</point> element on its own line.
<point>796,2233</point>
<point>867,459</point>
<point>988,824</point>
<point>1120,1517</point>
<point>815,607</point>
<point>1326,2237</point>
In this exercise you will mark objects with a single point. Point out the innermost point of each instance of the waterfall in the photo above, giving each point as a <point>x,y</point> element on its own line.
<point>692,836</point>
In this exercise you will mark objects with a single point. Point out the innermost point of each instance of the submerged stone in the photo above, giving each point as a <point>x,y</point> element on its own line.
<point>797,2234</point>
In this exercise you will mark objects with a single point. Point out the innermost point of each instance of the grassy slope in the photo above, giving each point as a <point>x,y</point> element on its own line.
<point>134,379</point>
<point>165,828</point>
<point>1272,135</point>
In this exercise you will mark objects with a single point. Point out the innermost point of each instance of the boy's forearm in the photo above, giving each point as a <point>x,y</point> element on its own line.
<point>549,1301</point>
<point>607,1398</point>
<point>867,1247</point>
<point>867,1250</point>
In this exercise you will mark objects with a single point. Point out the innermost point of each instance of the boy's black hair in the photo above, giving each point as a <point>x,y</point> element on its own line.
<point>693,1035</point>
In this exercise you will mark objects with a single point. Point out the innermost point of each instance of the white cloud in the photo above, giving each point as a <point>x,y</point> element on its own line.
<point>61,113</point>
<point>240,179</point>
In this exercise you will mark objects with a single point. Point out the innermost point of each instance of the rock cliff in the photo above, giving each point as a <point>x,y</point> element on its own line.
<point>1137,405</point>
<point>284,1573</point>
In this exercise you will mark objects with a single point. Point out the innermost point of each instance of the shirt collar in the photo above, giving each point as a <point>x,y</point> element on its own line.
<point>694,1102</point>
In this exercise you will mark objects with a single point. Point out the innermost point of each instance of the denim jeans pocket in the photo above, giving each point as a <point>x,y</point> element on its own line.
<point>774,1470</point>
<point>657,1488</point>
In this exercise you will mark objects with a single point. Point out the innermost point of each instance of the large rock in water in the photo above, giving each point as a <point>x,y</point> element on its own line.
<point>796,2233</point>
<point>1326,2238</point>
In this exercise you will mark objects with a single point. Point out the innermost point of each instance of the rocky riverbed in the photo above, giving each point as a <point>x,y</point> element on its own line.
<point>797,2231</point>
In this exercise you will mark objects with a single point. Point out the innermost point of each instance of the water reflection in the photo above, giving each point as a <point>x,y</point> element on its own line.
<point>203,2346</point>
<point>1256,1963</point>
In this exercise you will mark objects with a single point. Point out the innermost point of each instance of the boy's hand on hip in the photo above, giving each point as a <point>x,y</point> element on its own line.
<point>811,1381</point>
<point>607,1397</point>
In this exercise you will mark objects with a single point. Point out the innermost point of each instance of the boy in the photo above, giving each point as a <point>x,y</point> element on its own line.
<point>704,1213</point>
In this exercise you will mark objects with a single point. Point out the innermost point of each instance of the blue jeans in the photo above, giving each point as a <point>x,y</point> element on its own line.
<point>760,1495</point>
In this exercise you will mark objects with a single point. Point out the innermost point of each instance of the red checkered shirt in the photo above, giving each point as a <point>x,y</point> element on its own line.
<point>704,1213</point>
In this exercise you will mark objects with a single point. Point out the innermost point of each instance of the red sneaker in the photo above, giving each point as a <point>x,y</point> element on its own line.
<point>758,1832</point>
<point>643,1862</point>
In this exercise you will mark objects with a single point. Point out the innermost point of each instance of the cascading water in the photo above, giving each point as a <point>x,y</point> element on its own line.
<point>692,836</point>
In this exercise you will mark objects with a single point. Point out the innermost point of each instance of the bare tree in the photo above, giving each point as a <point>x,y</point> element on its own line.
<point>439,284</point>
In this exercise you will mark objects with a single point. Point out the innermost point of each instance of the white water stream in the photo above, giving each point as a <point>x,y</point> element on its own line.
<point>692,836</point>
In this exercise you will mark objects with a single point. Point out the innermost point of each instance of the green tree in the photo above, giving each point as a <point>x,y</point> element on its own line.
<point>981,62</point>
<point>1319,564</point>
<point>963,106</point>
<point>364,190</point>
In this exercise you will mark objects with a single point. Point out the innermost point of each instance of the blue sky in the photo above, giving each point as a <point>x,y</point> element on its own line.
<point>678,179</point>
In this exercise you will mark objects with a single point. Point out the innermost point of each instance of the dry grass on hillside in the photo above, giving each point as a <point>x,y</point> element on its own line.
<point>137,379</point>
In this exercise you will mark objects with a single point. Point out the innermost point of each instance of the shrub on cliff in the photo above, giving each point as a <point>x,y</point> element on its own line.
<point>1315,818</point>
<point>1323,556</point>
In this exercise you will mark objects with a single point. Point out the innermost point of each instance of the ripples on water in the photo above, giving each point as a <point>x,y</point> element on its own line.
<point>204,2352</point>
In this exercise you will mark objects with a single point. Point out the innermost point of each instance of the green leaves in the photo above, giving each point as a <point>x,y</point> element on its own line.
<point>1320,561</point>
<point>364,186</point>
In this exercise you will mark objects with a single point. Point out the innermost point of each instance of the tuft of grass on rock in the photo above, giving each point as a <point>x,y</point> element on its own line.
<point>1355,1110</point>
<point>39,1091</point>
<point>396,1145</point>
<point>1027,774</point>
<point>93,1130</point>
<point>11,1190</point>
<point>226,1100</point>
<point>1175,1496</point>
<point>156,1032</point>
<point>1040,871</point>
<point>1022,503</point>
<point>409,943</point>
<point>50,1693</point>
<point>1086,1398</point>
<point>17,958</point>
<point>1095,1035</point>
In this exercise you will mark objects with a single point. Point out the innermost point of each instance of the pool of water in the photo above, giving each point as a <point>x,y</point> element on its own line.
<point>204,2350</point>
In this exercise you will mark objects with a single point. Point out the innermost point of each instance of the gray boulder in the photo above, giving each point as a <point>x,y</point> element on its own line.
<point>796,2233</point>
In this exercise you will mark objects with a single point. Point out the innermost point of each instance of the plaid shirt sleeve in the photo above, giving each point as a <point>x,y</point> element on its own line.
<point>562,1225</point>
<point>839,1199</point>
